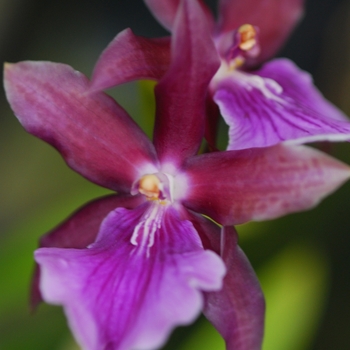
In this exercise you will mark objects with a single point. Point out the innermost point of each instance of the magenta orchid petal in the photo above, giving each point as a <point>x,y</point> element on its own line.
<point>80,230</point>
<point>275,104</point>
<point>274,18</point>
<point>129,57</point>
<point>234,187</point>
<point>238,309</point>
<point>93,133</point>
<point>142,277</point>
<point>181,94</point>
<point>165,11</point>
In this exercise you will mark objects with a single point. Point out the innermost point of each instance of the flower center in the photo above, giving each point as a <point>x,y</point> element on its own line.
<point>149,185</point>
<point>157,186</point>
<point>238,46</point>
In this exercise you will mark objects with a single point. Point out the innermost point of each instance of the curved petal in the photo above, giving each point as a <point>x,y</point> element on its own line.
<point>94,134</point>
<point>165,11</point>
<point>275,19</point>
<point>278,103</point>
<point>80,230</point>
<point>238,309</point>
<point>141,278</point>
<point>181,94</point>
<point>234,187</point>
<point>129,57</point>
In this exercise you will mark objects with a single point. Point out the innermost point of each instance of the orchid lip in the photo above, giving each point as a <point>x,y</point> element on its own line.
<point>144,233</point>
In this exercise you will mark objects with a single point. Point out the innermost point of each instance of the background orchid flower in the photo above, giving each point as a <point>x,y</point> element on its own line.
<point>262,106</point>
<point>149,256</point>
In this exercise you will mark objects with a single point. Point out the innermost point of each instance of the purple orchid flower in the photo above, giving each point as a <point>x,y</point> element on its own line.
<point>262,106</point>
<point>129,267</point>
<point>272,104</point>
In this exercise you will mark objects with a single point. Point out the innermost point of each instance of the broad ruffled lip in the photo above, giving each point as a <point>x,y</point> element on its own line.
<point>277,103</point>
<point>234,187</point>
<point>80,230</point>
<point>126,296</point>
<point>95,136</point>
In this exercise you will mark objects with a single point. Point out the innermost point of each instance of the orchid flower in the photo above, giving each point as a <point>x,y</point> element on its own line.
<point>130,267</point>
<point>268,105</point>
<point>262,106</point>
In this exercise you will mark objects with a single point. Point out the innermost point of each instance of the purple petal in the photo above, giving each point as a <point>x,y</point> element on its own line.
<point>165,11</point>
<point>94,134</point>
<point>238,309</point>
<point>275,19</point>
<point>279,103</point>
<point>141,278</point>
<point>234,187</point>
<point>80,230</point>
<point>181,94</point>
<point>129,57</point>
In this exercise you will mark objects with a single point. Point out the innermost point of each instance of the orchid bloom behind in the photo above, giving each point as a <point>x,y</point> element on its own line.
<point>262,106</point>
<point>130,267</point>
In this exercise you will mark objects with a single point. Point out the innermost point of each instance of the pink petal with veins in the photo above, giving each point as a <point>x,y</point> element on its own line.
<point>234,187</point>
<point>95,136</point>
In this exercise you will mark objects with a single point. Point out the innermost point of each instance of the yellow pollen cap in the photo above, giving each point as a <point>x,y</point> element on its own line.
<point>149,186</point>
<point>248,34</point>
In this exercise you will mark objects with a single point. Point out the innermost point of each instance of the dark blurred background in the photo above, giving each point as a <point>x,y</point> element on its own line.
<point>302,260</point>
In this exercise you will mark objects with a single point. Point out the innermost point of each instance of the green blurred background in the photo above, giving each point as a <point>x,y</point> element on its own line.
<point>302,260</point>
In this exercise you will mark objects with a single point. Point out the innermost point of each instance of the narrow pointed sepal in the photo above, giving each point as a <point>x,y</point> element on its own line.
<point>131,57</point>
<point>95,136</point>
<point>238,309</point>
<point>142,277</point>
<point>234,187</point>
<point>181,94</point>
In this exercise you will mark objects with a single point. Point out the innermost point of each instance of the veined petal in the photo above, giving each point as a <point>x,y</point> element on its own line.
<point>141,278</point>
<point>278,103</point>
<point>234,187</point>
<point>80,230</point>
<point>181,94</point>
<point>275,19</point>
<point>129,57</point>
<point>165,11</point>
<point>238,309</point>
<point>93,133</point>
